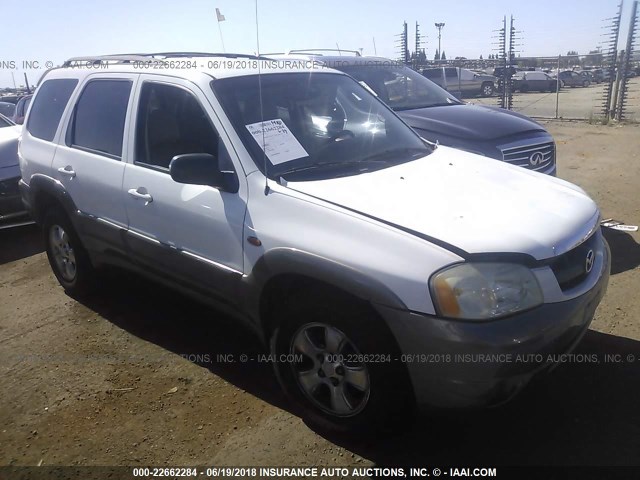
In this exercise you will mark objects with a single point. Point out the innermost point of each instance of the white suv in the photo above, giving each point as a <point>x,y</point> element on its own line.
<point>382,271</point>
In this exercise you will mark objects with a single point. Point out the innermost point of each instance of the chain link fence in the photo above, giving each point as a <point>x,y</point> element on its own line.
<point>572,87</point>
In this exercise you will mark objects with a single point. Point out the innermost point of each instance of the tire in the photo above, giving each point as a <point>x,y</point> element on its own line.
<point>487,89</point>
<point>553,86</point>
<point>68,258</point>
<point>329,331</point>
<point>586,83</point>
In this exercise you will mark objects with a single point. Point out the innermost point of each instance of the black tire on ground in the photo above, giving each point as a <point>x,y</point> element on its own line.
<point>310,321</point>
<point>487,89</point>
<point>68,258</point>
<point>586,83</point>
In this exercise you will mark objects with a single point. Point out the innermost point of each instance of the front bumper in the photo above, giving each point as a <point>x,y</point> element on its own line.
<point>456,364</point>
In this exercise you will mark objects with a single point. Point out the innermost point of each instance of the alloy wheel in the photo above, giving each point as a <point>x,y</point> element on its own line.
<point>329,370</point>
<point>62,251</point>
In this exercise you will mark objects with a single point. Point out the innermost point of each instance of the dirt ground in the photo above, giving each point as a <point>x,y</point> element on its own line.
<point>131,376</point>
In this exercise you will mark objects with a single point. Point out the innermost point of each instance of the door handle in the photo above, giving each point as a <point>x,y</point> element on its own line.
<point>134,192</point>
<point>68,170</point>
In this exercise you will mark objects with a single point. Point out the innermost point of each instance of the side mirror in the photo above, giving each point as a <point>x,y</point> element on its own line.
<point>201,169</point>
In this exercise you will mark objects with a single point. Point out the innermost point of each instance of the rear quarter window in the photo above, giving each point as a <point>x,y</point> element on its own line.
<point>48,107</point>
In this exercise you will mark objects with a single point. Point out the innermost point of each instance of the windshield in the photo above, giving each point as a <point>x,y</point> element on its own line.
<point>400,87</point>
<point>315,125</point>
<point>4,121</point>
<point>7,109</point>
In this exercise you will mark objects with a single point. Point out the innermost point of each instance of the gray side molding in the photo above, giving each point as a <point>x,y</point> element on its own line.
<point>292,261</point>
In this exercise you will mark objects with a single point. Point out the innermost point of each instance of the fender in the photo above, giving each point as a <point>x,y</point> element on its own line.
<point>279,261</point>
<point>40,183</point>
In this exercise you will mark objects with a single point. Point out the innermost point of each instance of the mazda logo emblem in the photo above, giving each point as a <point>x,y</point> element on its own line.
<point>589,261</point>
<point>536,158</point>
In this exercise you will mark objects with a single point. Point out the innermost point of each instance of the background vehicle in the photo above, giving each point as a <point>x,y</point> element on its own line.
<point>10,98</point>
<point>534,81</point>
<point>597,75</point>
<point>586,74</point>
<point>21,109</point>
<point>438,116</point>
<point>461,81</point>
<point>570,78</point>
<point>12,211</point>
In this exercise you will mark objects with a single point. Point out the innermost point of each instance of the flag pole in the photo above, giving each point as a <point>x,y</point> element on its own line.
<point>224,50</point>
<point>220,18</point>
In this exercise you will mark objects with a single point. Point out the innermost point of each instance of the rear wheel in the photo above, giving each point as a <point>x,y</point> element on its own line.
<point>337,360</point>
<point>68,258</point>
<point>487,89</point>
<point>586,83</point>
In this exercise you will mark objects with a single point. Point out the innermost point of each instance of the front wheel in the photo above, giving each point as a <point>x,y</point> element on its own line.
<point>487,89</point>
<point>68,258</point>
<point>338,361</point>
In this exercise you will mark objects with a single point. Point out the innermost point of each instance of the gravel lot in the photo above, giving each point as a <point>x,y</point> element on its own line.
<point>130,376</point>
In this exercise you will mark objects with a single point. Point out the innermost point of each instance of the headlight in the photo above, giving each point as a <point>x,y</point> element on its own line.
<point>482,291</point>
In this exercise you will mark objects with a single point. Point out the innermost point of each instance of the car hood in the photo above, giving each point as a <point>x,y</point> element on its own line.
<point>470,202</point>
<point>9,146</point>
<point>469,122</point>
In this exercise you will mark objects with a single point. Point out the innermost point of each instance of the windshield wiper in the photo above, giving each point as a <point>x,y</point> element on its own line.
<point>403,108</point>
<point>330,164</point>
<point>415,152</point>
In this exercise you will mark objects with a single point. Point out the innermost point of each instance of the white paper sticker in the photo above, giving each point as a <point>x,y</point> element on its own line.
<point>280,144</point>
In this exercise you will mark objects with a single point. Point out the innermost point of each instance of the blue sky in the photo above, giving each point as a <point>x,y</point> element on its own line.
<point>54,31</point>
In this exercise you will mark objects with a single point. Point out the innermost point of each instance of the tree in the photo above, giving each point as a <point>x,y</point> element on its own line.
<point>444,56</point>
<point>437,55</point>
<point>572,53</point>
<point>481,57</point>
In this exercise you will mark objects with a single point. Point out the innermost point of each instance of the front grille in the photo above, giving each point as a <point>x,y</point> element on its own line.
<point>536,156</point>
<point>570,268</point>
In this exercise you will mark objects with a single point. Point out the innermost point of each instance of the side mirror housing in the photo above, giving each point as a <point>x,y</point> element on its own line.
<point>201,169</point>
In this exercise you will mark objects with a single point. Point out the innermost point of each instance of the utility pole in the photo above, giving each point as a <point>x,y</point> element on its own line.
<point>439,27</point>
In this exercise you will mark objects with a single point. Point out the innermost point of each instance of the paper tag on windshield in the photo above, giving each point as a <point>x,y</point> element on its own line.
<point>279,143</point>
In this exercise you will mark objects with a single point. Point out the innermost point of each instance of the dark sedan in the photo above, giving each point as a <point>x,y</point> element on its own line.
<point>570,78</point>
<point>534,81</point>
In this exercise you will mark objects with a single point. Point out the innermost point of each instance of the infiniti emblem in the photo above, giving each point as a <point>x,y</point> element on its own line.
<point>536,158</point>
<point>589,261</point>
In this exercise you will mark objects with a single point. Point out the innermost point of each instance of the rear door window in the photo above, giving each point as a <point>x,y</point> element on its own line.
<point>98,121</point>
<point>49,104</point>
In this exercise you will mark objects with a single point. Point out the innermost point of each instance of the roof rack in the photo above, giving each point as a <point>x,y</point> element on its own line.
<point>313,50</point>
<point>138,57</point>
